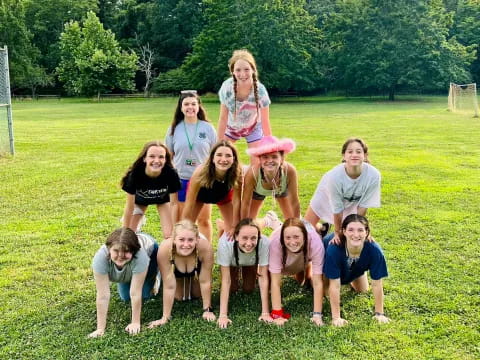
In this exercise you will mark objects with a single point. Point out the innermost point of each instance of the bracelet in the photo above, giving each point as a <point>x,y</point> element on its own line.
<point>277,314</point>
<point>316,314</point>
<point>379,313</point>
<point>208,309</point>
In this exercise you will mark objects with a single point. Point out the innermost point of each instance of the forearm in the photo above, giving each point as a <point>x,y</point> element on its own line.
<point>334,292</point>
<point>263,284</point>
<point>136,300</point>
<point>102,310</point>
<point>377,289</point>
<point>362,211</point>
<point>224,297</point>
<point>317,293</point>
<point>337,221</point>
<point>169,288</point>
<point>275,292</point>
<point>206,291</point>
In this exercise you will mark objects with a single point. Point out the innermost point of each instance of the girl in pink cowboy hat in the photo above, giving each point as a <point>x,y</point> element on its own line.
<point>274,176</point>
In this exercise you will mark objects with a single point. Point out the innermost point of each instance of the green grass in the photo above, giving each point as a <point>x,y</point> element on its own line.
<point>59,198</point>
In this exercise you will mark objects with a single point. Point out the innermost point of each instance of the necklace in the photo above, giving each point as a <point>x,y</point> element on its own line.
<point>190,143</point>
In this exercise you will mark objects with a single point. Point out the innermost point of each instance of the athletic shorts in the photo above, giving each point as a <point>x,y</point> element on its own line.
<point>255,135</point>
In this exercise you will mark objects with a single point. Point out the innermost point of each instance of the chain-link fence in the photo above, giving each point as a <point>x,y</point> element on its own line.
<point>6,125</point>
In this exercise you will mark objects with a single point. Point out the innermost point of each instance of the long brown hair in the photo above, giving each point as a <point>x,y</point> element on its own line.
<point>139,165</point>
<point>354,218</point>
<point>362,144</point>
<point>179,116</point>
<point>206,176</point>
<point>242,223</point>
<point>298,223</point>
<point>124,237</point>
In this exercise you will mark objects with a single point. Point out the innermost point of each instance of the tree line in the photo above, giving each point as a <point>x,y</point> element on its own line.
<point>88,47</point>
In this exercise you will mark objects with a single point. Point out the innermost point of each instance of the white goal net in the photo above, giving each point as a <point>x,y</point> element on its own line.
<point>463,99</point>
<point>6,125</point>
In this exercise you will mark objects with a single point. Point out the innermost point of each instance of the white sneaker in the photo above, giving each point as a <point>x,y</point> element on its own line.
<point>271,220</point>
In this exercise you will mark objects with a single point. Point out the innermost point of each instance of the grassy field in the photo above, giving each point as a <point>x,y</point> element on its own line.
<point>60,197</point>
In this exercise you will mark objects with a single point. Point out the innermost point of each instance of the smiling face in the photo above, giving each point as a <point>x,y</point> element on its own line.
<point>243,72</point>
<point>355,234</point>
<point>247,238</point>
<point>271,162</point>
<point>154,160</point>
<point>185,242</point>
<point>223,159</point>
<point>119,255</point>
<point>190,107</point>
<point>293,239</point>
<point>354,154</point>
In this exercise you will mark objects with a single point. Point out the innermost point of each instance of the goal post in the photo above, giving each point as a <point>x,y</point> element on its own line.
<point>6,122</point>
<point>463,98</point>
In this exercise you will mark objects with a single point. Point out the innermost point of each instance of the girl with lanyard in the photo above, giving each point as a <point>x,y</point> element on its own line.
<point>296,249</point>
<point>347,263</point>
<point>244,109</point>
<point>349,188</point>
<point>190,138</point>
<point>130,260</point>
<point>150,180</point>
<point>217,181</point>
<point>248,251</point>
<point>185,263</point>
<point>271,176</point>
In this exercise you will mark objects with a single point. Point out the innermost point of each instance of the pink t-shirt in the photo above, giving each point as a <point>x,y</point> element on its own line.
<point>295,263</point>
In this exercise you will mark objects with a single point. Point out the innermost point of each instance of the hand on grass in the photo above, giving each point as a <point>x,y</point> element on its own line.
<point>209,316</point>
<point>339,322</point>
<point>265,317</point>
<point>133,328</point>
<point>223,322</point>
<point>280,321</point>
<point>317,320</point>
<point>156,323</point>
<point>96,333</point>
<point>382,319</point>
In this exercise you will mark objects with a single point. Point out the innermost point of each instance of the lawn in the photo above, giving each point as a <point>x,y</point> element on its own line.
<point>60,197</point>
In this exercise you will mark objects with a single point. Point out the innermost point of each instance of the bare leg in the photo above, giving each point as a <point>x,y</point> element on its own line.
<point>360,284</point>
<point>204,221</point>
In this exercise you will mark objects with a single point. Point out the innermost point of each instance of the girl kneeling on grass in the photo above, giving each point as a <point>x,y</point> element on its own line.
<point>217,181</point>
<point>130,260</point>
<point>249,252</point>
<point>151,180</point>
<point>296,249</point>
<point>272,176</point>
<point>186,263</point>
<point>347,263</point>
<point>349,188</point>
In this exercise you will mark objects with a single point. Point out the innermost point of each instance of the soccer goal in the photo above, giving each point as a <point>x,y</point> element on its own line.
<point>6,124</point>
<point>463,98</point>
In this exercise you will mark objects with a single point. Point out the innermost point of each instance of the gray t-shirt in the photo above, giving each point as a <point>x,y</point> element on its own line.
<point>225,256</point>
<point>202,139</point>
<point>103,265</point>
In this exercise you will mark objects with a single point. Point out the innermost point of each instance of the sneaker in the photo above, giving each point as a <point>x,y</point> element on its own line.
<point>271,220</point>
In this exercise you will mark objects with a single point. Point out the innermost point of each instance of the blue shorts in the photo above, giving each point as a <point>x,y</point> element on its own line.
<point>182,193</point>
<point>255,135</point>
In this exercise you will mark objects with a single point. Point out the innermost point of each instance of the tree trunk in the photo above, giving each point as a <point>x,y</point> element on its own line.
<point>391,93</point>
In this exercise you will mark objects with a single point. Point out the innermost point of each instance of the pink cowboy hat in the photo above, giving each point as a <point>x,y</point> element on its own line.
<point>269,144</point>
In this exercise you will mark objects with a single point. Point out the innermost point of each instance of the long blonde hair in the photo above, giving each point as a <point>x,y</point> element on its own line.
<point>184,225</point>
<point>247,56</point>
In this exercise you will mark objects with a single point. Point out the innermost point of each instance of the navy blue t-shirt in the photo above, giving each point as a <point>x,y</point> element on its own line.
<point>148,190</point>
<point>371,258</point>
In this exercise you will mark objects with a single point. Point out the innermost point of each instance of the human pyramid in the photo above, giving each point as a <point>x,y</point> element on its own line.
<point>193,170</point>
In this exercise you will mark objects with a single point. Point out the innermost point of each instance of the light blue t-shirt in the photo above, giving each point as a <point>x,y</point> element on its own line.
<point>202,138</point>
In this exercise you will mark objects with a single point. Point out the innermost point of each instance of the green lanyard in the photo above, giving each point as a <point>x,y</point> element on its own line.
<point>190,144</point>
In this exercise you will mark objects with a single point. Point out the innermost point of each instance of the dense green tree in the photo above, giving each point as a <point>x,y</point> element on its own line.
<point>281,35</point>
<point>467,30</point>
<point>91,59</point>
<point>25,72</point>
<point>46,18</point>
<point>389,45</point>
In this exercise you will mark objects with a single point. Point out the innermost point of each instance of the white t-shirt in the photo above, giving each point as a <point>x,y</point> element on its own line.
<point>337,192</point>
<point>226,257</point>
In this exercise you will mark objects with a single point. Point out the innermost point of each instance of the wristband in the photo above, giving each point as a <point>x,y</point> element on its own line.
<point>277,314</point>
<point>379,313</point>
<point>316,314</point>
<point>208,309</point>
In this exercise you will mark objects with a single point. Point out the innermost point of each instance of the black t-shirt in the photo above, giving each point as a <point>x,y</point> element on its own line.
<point>148,190</point>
